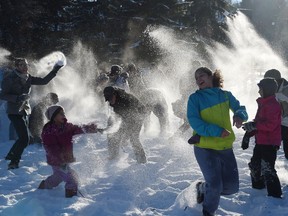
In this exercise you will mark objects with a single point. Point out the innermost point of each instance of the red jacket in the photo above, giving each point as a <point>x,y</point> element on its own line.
<point>268,121</point>
<point>57,141</point>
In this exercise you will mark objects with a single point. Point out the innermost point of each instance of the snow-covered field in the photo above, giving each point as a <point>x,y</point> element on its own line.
<point>163,186</point>
<point>166,184</point>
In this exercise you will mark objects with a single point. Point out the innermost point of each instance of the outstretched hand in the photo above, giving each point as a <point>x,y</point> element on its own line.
<point>237,121</point>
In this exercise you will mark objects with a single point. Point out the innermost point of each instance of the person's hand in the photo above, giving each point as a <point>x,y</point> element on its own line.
<point>57,67</point>
<point>22,98</point>
<point>249,126</point>
<point>237,121</point>
<point>225,133</point>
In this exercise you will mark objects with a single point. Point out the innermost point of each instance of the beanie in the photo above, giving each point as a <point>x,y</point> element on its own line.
<point>52,111</point>
<point>269,86</point>
<point>115,70</point>
<point>273,73</point>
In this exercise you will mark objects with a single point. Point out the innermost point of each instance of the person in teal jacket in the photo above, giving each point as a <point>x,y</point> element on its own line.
<point>208,113</point>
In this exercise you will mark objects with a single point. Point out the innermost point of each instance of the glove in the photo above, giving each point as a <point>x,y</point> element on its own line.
<point>249,126</point>
<point>195,139</point>
<point>22,98</point>
<point>245,141</point>
<point>56,68</point>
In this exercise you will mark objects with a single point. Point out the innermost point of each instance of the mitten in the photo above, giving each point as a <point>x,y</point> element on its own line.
<point>195,139</point>
<point>245,141</point>
<point>249,126</point>
<point>22,98</point>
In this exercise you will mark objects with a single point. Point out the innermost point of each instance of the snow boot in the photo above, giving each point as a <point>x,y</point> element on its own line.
<point>205,213</point>
<point>42,185</point>
<point>200,192</point>
<point>13,165</point>
<point>70,193</point>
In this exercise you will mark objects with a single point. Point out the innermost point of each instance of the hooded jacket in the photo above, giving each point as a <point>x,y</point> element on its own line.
<point>208,112</point>
<point>268,121</point>
<point>57,141</point>
<point>282,97</point>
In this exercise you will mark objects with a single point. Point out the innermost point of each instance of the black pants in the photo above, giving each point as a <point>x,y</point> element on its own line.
<point>262,167</point>
<point>20,124</point>
<point>284,132</point>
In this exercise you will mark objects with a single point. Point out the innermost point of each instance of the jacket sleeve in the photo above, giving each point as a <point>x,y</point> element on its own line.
<point>6,89</point>
<point>238,110</point>
<point>43,81</point>
<point>201,127</point>
<point>268,120</point>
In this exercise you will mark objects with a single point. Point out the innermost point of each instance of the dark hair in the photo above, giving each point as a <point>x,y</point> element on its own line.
<point>217,76</point>
<point>18,61</point>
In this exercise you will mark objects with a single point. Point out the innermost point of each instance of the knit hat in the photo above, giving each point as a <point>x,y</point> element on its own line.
<point>108,93</point>
<point>52,111</point>
<point>269,86</point>
<point>273,73</point>
<point>115,70</point>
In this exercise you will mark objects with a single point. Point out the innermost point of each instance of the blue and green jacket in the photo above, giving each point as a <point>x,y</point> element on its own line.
<point>208,113</point>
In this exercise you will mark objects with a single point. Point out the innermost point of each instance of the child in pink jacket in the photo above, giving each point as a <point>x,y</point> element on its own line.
<point>57,141</point>
<point>267,130</point>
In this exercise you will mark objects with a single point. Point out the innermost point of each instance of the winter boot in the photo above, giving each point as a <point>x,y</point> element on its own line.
<point>42,185</point>
<point>13,165</point>
<point>200,192</point>
<point>141,158</point>
<point>70,193</point>
<point>205,213</point>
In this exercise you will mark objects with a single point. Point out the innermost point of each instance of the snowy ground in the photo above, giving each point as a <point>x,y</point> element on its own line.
<point>163,186</point>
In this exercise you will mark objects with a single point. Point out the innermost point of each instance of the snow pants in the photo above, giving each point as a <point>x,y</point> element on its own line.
<point>262,167</point>
<point>60,174</point>
<point>221,176</point>
<point>284,132</point>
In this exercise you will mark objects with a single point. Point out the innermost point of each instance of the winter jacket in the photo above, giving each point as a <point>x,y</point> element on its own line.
<point>268,121</point>
<point>208,114</point>
<point>128,107</point>
<point>37,119</point>
<point>282,97</point>
<point>14,86</point>
<point>57,141</point>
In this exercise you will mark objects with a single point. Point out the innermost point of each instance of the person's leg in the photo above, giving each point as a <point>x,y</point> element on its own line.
<point>114,144</point>
<point>134,133</point>
<point>21,126</point>
<point>72,181</point>
<point>161,112</point>
<point>55,179</point>
<point>273,185</point>
<point>284,133</point>
<point>230,175</point>
<point>255,168</point>
<point>210,166</point>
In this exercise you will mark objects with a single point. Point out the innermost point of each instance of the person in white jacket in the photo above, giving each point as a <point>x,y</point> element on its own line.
<point>282,97</point>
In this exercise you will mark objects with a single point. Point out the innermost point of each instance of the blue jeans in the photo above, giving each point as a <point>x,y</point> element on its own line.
<point>220,172</point>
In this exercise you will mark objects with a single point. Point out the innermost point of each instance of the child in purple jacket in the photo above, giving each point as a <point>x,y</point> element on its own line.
<point>57,141</point>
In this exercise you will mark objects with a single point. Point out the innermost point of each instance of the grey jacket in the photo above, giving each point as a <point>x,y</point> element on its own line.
<point>14,86</point>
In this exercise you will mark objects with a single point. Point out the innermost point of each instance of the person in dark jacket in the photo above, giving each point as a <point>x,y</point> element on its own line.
<point>57,137</point>
<point>267,130</point>
<point>16,89</point>
<point>37,117</point>
<point>132,113</point>
<point>282,97</point>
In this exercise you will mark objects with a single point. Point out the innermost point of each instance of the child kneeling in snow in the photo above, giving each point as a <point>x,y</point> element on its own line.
<point>57,141</point>
<point>267,130</point>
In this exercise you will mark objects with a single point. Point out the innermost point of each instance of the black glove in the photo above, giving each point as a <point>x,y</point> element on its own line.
<point>195,139</point>
<point>22,98</point>
<point>56,68</point>
<point>249,126</point>
<point>245,141</point>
